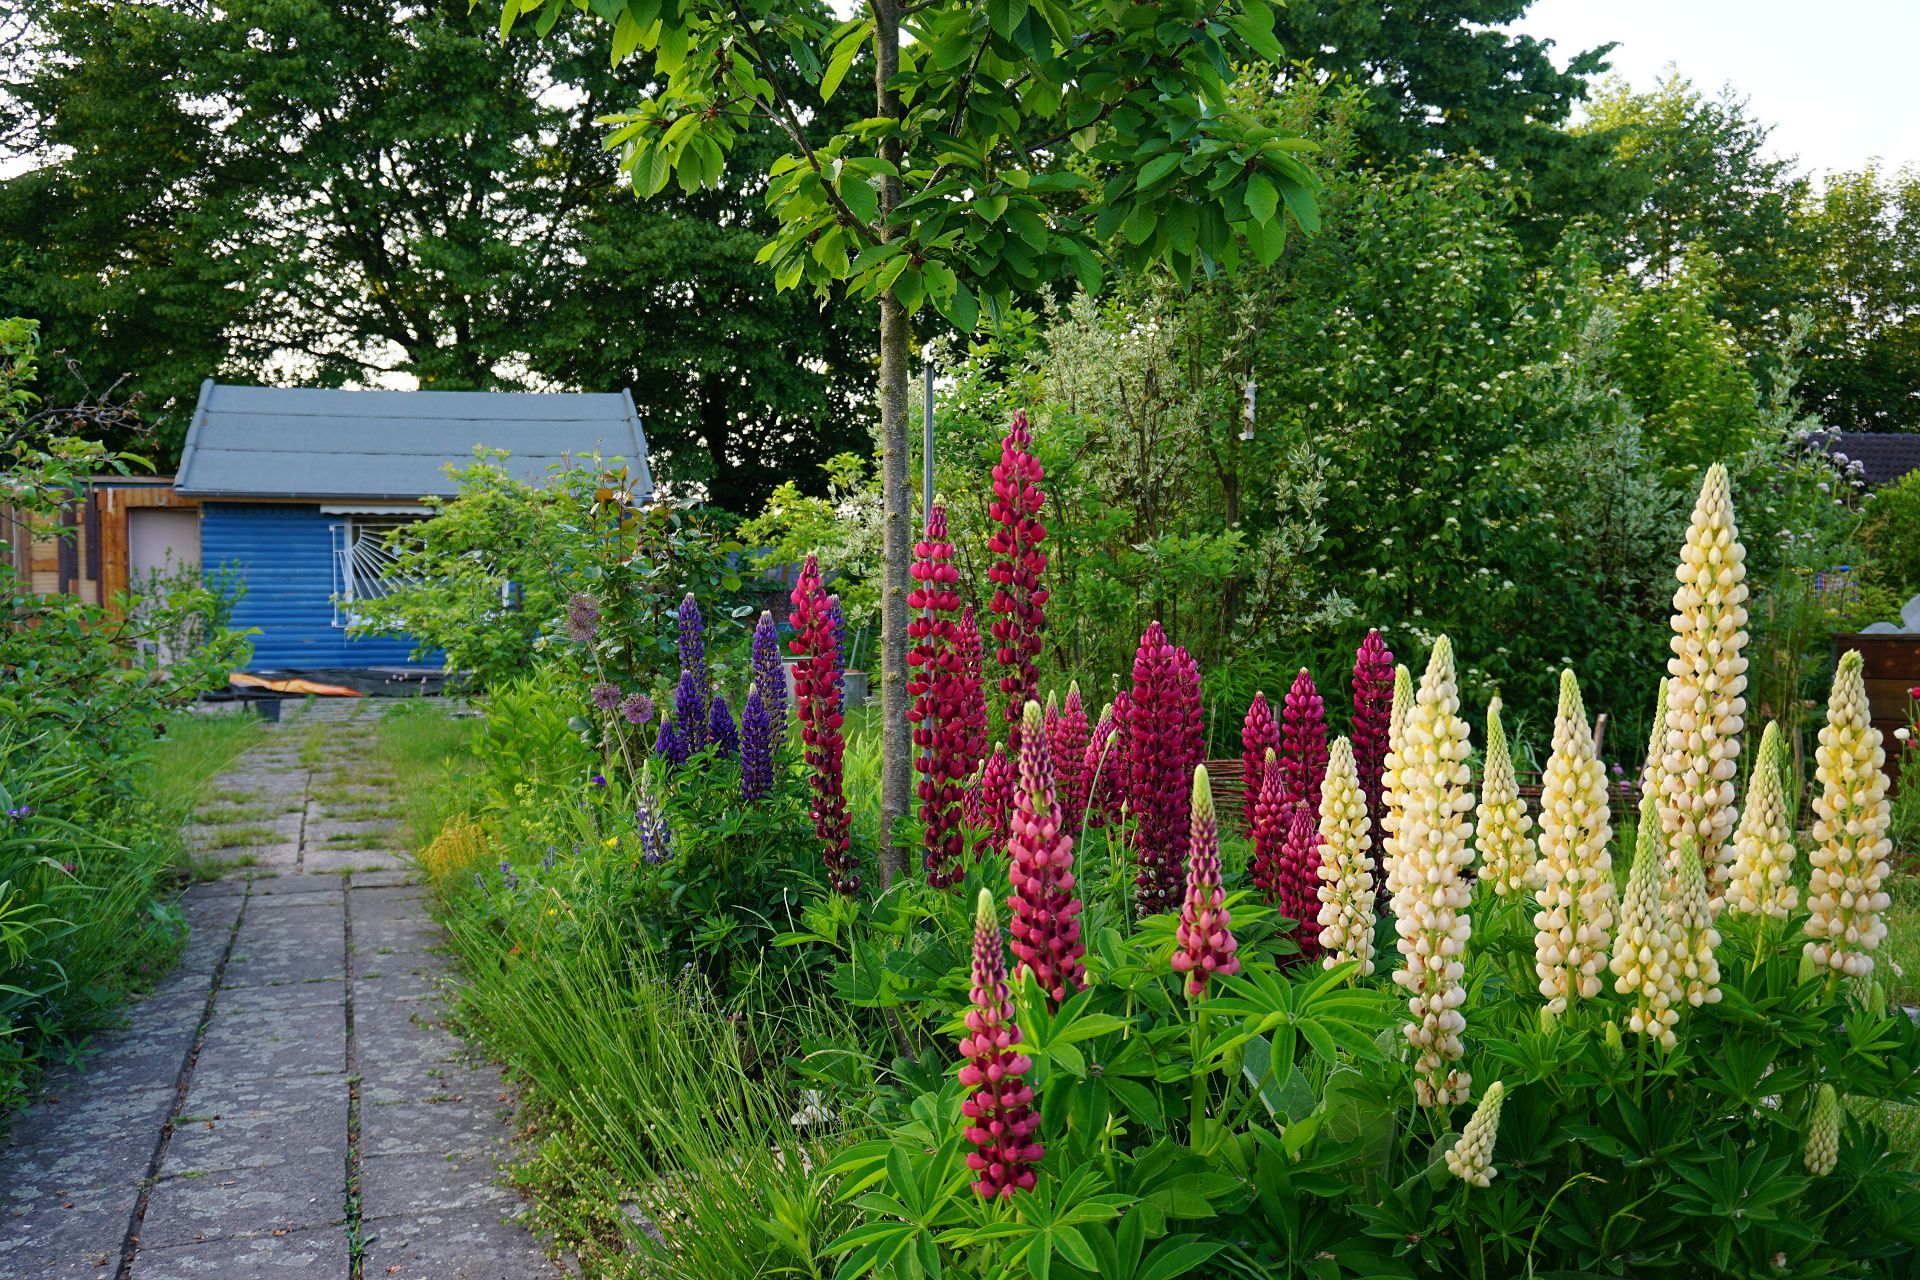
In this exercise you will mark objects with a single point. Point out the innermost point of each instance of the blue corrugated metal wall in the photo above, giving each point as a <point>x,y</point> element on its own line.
<point>285,555</point>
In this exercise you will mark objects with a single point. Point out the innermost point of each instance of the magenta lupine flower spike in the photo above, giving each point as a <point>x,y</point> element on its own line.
<point>973,692</point>
<point>769,676</point>
<point>1108,776</point>
<point>1269,829</point>
<point>1303,730</point>
<point>1019,601</point>
<point>1372,717</point>
<point>1067,746</point>
<point>1259,738</point>
<point>990,801</point>
<point>1299,897</point>
<point>1001,1108</point>
<point>1158,740</point>
<point>1205,933</point>
<point>1046,910</point>
<point>756,747</point>
<point>817,685</point>
<point>935,684</point>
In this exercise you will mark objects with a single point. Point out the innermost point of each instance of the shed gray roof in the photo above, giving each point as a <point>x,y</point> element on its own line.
<point>281,442</point>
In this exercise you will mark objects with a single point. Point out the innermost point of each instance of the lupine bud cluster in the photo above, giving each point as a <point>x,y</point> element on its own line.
<point>769,676</point>
<point>936,683</point>
<point>1067,742</point>
<point>1019,601</point>
<point>1471,1158</point>
<point>1160,727</point>
<point>1105,770</point>
<point>1259,742</point>
<point>1690,919</point>
<point>1823,1133</point>
<point>1372,721</point>
<point>1303,734</point>
<point>1001,1104</point>
<point>1204,937</point>
<point>756,747</point>
<point>817,686</point>
<point>1045,908</point>
<point>1708,676</point>
<point>1642,961</point>
<point>1503,834</point>
<point>1575,880</point>
<point>721,731</point>
<point>1846,891</point>
<point>1760,882</point>
<point>656,838</point>
<point>1345,892</point>
<point>1431,897</point>
<point>1269,829</point>
<point>990,802</point>
<point>1390,798</point>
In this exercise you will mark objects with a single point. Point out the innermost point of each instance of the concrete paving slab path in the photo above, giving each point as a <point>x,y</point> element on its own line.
<point>289,1103</point>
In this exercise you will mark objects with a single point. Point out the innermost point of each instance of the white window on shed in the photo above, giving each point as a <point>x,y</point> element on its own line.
<point>365,560</point>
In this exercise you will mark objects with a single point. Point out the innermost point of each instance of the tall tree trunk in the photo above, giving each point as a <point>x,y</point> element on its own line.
<point>896,767</point>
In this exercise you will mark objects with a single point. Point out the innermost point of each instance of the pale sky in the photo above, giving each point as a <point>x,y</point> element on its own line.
<point>1835,77</point>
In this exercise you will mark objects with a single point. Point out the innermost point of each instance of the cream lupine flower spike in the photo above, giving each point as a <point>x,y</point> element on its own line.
<point>1643,952</point>
<point>1761,881</point>
<point>1430,903</point>
<point>1346,874</point>
<point>1690,922</point>
<point>1575,876</point>
<point>1503,834</point>
<point>1390,797</point>
<point>1823,1134</point>
<point>1471,1158</point>
<point>1705,706</point>
<point>1845,890</point>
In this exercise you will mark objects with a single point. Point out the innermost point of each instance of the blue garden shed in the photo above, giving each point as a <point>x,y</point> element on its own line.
<point>297,491</point>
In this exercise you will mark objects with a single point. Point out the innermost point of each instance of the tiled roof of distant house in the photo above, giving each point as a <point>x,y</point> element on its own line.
<point>1884,456</point>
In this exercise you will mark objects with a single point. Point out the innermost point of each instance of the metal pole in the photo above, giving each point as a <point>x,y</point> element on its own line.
<point>926,442</point>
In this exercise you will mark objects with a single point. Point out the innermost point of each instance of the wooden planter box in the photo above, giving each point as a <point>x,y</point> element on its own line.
<point>1892,668</point>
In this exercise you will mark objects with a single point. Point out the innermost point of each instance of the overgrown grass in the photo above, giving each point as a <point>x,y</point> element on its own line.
<point>192,753</point>
<point>429,747</point>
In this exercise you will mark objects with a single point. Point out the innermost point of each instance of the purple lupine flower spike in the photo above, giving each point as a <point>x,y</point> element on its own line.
<point>721,731</point>
<point>756,748</point>
<point>693,644</point>
<point>690,711</point>
<point>655,836</point>
<point>769,676</point>
<point>670,746</point>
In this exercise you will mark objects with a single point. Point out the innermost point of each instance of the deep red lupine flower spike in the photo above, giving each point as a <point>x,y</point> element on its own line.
<point>1019,601</point>
<point>973,693</point>
<point>1046,909</point>
<point>1205,933</point>
<point>1162,737</point>
<point>816,681</point>
<point>990,801</point>
<point>1067,743</point>
<point>936,683</point>
<point>1269,830</point>
<point>1001,1107</point>
<point>1303,735</point>
<point>1372,716</point>
<point>1259,738</point>
<point>1299,897</point>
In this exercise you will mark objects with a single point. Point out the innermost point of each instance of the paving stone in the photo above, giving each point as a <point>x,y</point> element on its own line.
<point>295,893</point>
<point>261,1137</point>
<point>266,962</point>
<point>219,1094</point>
<point>411,1186</point>
<point>393,934</point>
<point>457,1244</point>
<point>309,1192</point>
<point>91,1140</point>
<point>469,1126</point>
<point>344,862</point>
<point>310,1040</point>
<point>49,1239</point>
<point>285,995</point>
<point>388,879</point>
<point>390,1083</point>
<point>316,1254</point>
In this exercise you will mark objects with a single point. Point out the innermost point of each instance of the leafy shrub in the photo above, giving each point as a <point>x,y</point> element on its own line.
<point>1893,534</point>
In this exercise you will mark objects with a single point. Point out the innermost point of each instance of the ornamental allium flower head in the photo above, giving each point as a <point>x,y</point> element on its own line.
<point>1471,1158</point>
<point>1346,890</point>
<point>1846,891</point>
<point>637,709</point>
<point>1707,678</point>
<point>721,731</point>
<point>989,802</point>
<point>973,692</point>
<point>769,675</point>
<point>1760,882</point>
<point>1690,924</point>
<point>1105,770</point>
<point>936,689</point>
<point>1823,1133</point>
<point>1019,601</point>
<point>1504,832</point>
<point>1161,749</point>
<point>1269,830</point>
<point>1372,719</point>
<point>1299,897</point>
<point>691,712</point>
<point>583,617</point>
<point>1431,893</point>
<point>1575,873</point>
<point>1303,733</point>
<point>1643,962</point>
<point>604,696</point>
<point>1067,742</point>
<point>669,745</point>
<point>1390,798</point>
<point>1259,741</point>
<point>817,689</point>
<point>1204,936</point>
<point>1001,1105</point>
<point>756,747</point>
<point>1045,907</point>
